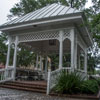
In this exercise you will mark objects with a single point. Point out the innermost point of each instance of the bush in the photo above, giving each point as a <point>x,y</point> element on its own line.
<point>90,87</point>
<point>73,83</point>
<point>68,83</point>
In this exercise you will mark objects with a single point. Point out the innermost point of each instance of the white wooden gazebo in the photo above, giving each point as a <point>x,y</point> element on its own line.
<point>62,27</point>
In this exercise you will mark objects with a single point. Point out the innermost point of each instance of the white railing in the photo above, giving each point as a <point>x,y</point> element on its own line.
<point>6,74</point>
<point>82,73</point>
<point>52,76</point>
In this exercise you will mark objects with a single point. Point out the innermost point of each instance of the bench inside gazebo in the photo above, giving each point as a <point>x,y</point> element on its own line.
<point>52,30</point>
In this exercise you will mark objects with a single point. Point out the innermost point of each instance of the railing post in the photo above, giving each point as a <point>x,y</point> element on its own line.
<point>48,82</point>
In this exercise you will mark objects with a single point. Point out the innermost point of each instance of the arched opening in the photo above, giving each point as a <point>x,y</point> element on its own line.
<point>12,47</point>
<point>66,53</point>
<point>38,55</point>
<point>80,58</point>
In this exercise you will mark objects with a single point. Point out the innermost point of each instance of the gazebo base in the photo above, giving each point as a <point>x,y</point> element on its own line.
<point>34,86</point>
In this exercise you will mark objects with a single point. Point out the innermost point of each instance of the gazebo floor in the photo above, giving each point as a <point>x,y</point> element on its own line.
<point>35,86</point>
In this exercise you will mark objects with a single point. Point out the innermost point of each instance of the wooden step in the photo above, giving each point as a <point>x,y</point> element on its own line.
<point>31,83</point>
<point>26,85</point>
<point>34,86</point>
<point>24,88</point>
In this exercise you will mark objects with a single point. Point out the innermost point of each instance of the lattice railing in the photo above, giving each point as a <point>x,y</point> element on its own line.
<point>6,74</point>
<point>52,76</point>
<point>81,73</point>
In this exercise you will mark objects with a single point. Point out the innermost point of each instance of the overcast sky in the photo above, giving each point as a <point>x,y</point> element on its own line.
<point>6,5</point>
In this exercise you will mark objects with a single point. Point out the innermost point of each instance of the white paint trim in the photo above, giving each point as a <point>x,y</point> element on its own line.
<point>43,22</point>
<point>88,32</point>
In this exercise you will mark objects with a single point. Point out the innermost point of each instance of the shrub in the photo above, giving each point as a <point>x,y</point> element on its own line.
<point>73,83</point>
<point>68,83</point>
<point>90,87</point>
<point>98,80</point>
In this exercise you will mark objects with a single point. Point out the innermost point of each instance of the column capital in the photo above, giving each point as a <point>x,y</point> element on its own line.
<point>16,40</point>
<point>61,35</point>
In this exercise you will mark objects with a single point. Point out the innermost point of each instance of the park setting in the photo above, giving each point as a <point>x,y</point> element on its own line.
<point>50,50</point>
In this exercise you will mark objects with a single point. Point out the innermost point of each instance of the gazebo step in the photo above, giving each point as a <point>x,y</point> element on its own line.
<point>38,83</point>
<point>24,85</point>
<point>31,86</point>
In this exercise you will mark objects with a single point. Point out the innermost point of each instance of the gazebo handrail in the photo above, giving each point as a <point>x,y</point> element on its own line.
<point>6,74</point>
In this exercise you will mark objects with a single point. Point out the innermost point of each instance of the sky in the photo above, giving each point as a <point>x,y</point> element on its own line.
<point>6,5</point>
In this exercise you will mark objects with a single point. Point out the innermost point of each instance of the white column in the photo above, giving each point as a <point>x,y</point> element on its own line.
<point>40,62</point>
<point>15,57</point>
<point>61,49</point>
<point>85,67</point>
<point>37,58</point>
<point>72,49</point>
<point>75,51</point>
<point>8,52</point>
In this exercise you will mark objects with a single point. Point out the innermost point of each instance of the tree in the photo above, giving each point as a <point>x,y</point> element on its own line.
<point>25,57</point>
<point>3,48</point>
<point>93,14</point>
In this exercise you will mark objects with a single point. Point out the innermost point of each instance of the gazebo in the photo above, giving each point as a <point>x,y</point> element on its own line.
<point>54,29</point>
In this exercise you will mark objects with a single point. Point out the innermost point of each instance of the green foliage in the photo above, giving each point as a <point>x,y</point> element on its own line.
<point>90,87</point>
<point>54,60</point>
<point>92,62</point>
<point>68,83</point>
<point>3,48</point>
<point>25,57</point>
<point>73,83</point>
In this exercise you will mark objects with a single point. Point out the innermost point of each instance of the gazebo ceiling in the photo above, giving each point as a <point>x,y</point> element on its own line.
<point>47,46</point>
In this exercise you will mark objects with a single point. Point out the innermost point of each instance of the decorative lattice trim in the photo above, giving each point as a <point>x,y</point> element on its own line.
<point>13,39</point>
<point>66,33</point>
<point>35,36</point>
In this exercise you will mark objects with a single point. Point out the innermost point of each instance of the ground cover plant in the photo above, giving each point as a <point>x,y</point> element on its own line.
<point>73,83</point>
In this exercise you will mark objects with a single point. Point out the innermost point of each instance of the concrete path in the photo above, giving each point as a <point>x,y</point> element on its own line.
<point>10,94</point>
